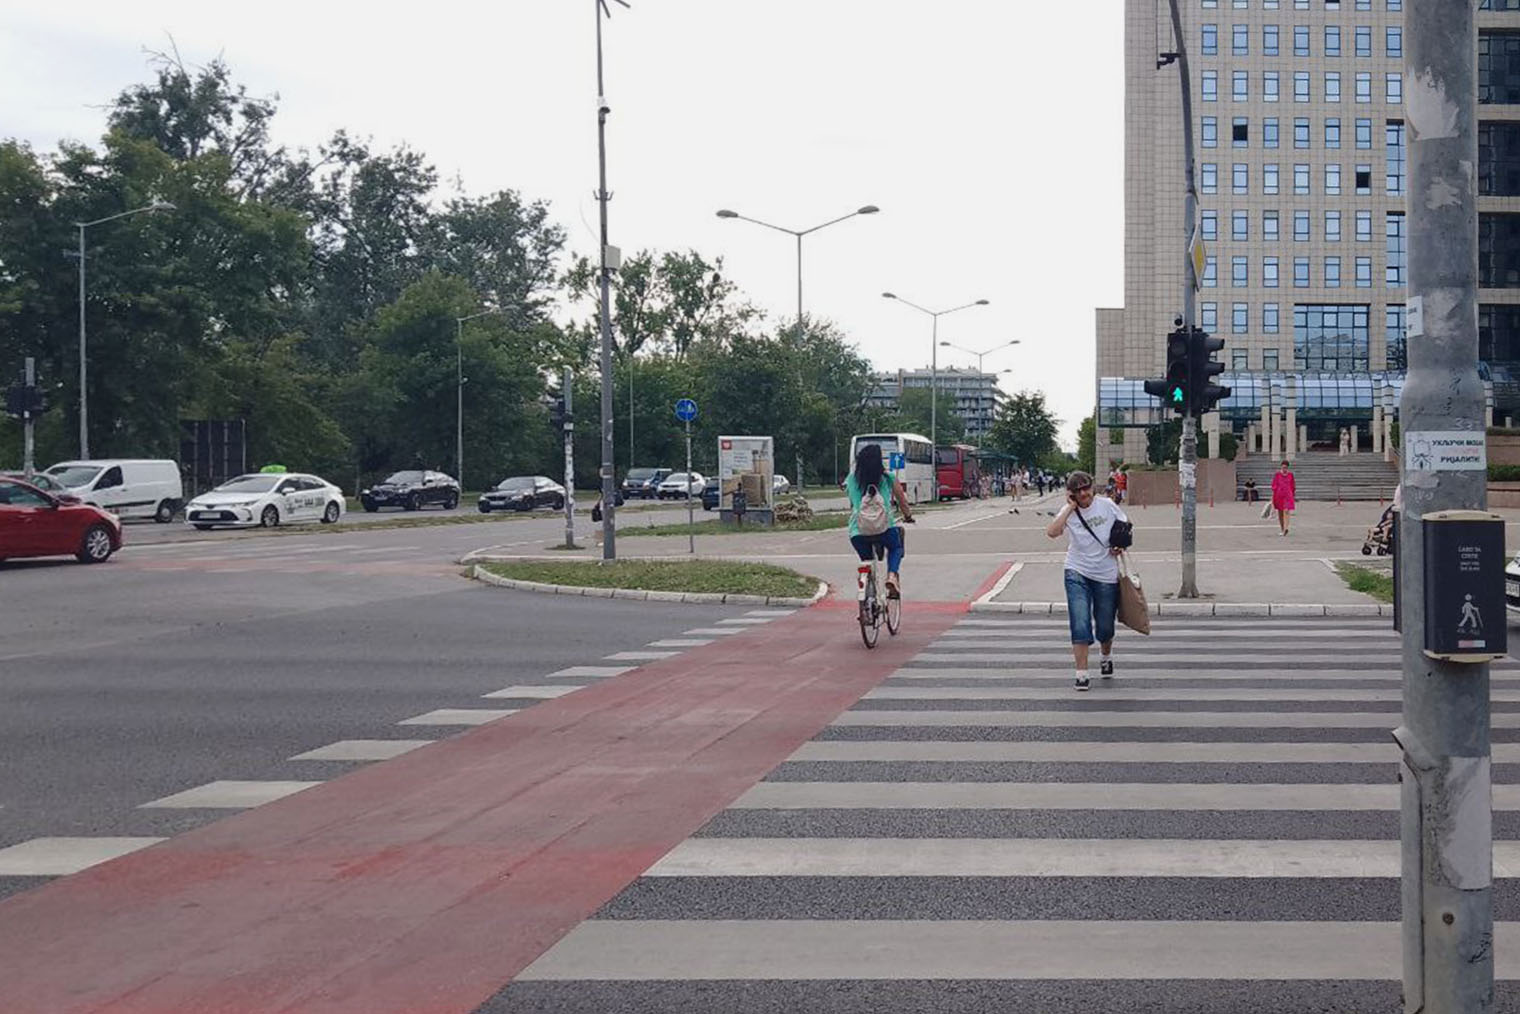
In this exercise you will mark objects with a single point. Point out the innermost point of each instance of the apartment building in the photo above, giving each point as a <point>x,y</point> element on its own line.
<point>970,394</point>
<point>1301,162</point>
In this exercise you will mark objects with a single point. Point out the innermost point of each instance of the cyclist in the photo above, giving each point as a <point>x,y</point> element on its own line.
<point>870,477</point>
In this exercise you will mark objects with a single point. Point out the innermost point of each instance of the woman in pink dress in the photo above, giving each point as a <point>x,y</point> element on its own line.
<point>1282,495</point>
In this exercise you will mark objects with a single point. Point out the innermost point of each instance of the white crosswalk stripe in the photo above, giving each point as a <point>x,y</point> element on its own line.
<point>1185,832</point>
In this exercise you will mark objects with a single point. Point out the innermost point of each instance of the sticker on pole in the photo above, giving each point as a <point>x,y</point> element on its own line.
<point>1445,451</point>
<point>686,410</point>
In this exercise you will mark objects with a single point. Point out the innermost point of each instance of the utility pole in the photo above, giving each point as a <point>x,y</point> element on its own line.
<point>569,461</point>
<point>28,420</point>
<point>609,478</point>
<point>1187,467</point>
<point>1447,816</point>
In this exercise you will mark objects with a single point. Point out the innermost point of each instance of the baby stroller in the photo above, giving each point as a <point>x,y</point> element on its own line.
<point>1380,535</point>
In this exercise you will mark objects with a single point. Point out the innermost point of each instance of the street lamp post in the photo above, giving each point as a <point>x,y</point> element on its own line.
<point>459,393</point>
<point>979,357</point>
<point>84,403</point>
<point>935,315</point>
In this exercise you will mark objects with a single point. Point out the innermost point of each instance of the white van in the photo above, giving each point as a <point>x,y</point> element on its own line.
<point>126,488</point>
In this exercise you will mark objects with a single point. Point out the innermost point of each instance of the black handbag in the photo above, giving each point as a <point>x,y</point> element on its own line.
<point>1121,534</point>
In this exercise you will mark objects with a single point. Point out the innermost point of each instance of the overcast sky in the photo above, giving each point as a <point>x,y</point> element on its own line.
<point>989,133</point>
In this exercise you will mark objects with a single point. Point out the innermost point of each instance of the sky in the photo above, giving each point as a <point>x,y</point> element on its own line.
<point>989,134</point>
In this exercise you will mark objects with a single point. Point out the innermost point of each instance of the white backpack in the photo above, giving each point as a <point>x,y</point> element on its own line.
<point>871,518</point>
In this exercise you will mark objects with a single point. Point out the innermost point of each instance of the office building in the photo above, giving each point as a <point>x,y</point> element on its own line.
<point>970,394</point>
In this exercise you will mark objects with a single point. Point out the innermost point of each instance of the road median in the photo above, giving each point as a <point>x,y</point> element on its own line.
<point>696,581</point>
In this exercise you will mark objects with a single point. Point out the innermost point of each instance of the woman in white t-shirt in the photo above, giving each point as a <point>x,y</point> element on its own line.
<point>1092,572</point>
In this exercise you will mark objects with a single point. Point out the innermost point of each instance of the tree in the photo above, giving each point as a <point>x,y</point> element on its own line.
<point>663,303</point>
<point>1087,444</point>
<point>1024,428</point>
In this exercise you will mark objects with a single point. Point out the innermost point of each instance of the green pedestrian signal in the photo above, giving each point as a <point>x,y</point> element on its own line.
<point>1174,388</point>
<point>1177,395</point>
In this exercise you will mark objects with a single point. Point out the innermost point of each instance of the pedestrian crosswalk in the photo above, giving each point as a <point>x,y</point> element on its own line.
<point>1215,829</point>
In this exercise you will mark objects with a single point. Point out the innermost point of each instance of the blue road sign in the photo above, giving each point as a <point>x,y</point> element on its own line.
<point>897,461</point>
<point>686,410</point>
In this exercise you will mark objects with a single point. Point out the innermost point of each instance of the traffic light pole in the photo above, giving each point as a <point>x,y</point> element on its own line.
<point>569,426</point>
<point>1447,818</point>
<point>28,422</point>
<point>1187,469</point>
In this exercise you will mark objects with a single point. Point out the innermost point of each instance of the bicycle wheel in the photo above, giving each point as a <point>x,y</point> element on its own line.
<point>894,615</point>
<point>870,615</point>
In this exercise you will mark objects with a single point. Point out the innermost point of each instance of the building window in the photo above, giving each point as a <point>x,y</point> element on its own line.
<point>1240,132</point>
<point>1300,272</point>
<point>1209,5</point>
<point>1269,40</point>
<point>1393,41</point>
<point>1239,315</point>
<point>1332,133</point>
<point>1208,316</point>
<point>1363,86</point>
<point>1363,40</point>
<point>1332,227</point>
<point>1398,249</point>
<point>1364,5</point>
<point>1210,45</point>
<point>1300,86</point>
<point>1239,226</point>
<point>1332,86</point>
<point>1332,272</point>
<point>1269,324</point>
<point>1363,133</point>
<point>1210,272</point>
<point>1210,132</point>
<point>1211,86</point>
<point>1393,323</point>
<point>1269,226</point>
<point>1499,159</point>
<point>1241,5</point>
<point>1364,272</point>
<point>1330,338</point>
<point>1238,89</point>
<point>1398,158</point>
<point>1208,178</point>
<point>1499,67</point>
<point>1269,358</point>
<point>1301,179</point>
<point>1269,132</point>
<point>1269,5</point>
<point>1300,40</point>
<point>1363,180</point>
<point>1499,251</point>
<point>1237,360</point>
<point>1332,40</point>
<point>1300,227</point>
<point>1209,226</point>
<point>1240,40</point>
<point>1269,179</point>
<point>1498,333</point>
<point>1269,272</point>
<point>1395,5</point>
<point>1270,86</point>
<point>1240,179</point>
<point>1301,132</point>
<point>1333,179</point>
<point>1240,272</point>
<point>1364,227</point>
<point>1393,88</point>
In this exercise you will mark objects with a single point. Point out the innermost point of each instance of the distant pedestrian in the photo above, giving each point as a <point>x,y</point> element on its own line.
<point>1039,481</point>
<point>1250,491</point>
<point>1091,573</point>
<point>1283,489</point>
<point>1121,484</point>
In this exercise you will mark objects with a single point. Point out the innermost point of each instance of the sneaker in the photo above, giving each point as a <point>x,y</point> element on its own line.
<point>1106,668</point>
<point>1082,682</point>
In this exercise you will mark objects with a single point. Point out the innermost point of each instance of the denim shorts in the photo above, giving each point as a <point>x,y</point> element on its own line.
<point>891,539</point>
<point>1090,602</point>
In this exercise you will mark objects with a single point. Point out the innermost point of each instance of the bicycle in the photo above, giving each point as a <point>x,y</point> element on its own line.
<point>872,613</point>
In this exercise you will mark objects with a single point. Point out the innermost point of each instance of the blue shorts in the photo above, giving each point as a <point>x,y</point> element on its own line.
<point>1090,603</point>
<point>865,546</point>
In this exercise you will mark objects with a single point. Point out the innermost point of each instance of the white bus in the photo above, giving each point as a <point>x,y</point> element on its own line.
<point>916,455</point>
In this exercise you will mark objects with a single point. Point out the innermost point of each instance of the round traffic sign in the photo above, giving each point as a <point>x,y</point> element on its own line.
<point>686,410</point>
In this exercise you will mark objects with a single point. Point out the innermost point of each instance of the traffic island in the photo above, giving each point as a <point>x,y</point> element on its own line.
<point>699,581</point>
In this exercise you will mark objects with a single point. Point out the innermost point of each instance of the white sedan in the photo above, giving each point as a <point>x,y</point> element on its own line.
<point>676,486</point>
<point>1512,585</point>
<point>266,499</point>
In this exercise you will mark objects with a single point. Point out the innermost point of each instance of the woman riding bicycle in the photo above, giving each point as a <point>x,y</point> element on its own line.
<point>872,488</point>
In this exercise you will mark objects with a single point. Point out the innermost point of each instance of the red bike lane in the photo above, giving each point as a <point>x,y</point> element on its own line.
<point>424,884</point>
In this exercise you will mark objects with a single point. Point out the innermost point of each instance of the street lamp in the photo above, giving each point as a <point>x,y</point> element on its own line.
<point>869,209</point>
<point>979,355</point>
<point>934,357</point>
<point>84,403</point>
<point>459,393</point>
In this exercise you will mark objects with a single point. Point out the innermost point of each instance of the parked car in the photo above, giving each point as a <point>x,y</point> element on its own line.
<point>34,522</point>
<point>266,499</point>
<point>523,493</point>
<point>780,484</point>
<point>128,488</point>
<point>643,483</point>
<point>411,490</point>
<point>675,485</point>
<point>41,480</point>
<point>710,494</point>
<point>1512,585</point>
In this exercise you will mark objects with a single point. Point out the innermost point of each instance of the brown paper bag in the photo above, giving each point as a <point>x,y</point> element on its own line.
<point>1133,612</point>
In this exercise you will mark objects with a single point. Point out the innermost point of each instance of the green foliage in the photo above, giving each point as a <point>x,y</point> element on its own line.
<point>1087,444</point>
<point>1163,442</point>
<point>916,414</point>
<point>1368,582</point>
<point>1024,427</point>
<point>1504,473</point>
<point>1229,446</point>
<point>710,576</point>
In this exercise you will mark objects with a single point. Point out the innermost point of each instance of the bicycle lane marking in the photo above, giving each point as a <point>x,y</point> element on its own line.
<point>427,882</point>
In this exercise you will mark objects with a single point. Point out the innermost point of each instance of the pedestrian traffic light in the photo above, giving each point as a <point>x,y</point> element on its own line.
<point>1202,369</point>
<point>558,414</point>
<point>1174,389</point>
<point>21,399</point>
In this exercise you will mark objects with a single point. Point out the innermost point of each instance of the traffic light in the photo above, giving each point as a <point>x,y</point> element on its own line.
<point>557,414</point>
<point>1202,369</point>
<point>21,399</point>
<point>1174,390</point>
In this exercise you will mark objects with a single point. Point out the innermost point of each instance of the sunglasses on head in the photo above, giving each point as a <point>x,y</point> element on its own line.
<point>1082,489</point>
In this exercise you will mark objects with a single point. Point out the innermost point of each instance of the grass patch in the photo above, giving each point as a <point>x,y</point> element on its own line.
<point>1368,582</point>
<point>711,576</point>
<point>818,523</point>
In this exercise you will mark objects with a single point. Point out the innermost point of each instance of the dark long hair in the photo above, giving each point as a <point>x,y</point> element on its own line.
<point>868,467</point>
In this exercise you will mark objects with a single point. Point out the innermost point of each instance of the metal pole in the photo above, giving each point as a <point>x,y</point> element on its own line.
<point>84,406</point>
<point>609,491</point>
<point>1187,471</point>
<point>799,286</point>
<point>28,423</point>
<point>630,410</point>
<point>691,531</point>
<point>569,461</point>
<point>459,402</point>
<point>934,383</point>
<point>1447,833</point>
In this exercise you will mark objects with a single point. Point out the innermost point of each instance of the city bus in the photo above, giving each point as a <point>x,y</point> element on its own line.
<point>960,473</point>
<point>914,454</point>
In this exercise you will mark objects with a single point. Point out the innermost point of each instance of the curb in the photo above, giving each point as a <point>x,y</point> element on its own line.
<point>694,598</point>
<point>1342,609</point>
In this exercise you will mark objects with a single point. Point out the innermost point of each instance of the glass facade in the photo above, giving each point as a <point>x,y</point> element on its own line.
<point>1499,251</point>
<point>1499,159</point>
<point>1499,67</point>
<point>1330,337</point>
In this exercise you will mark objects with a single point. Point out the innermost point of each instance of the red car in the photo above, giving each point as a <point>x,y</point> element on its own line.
<point>35,523</point>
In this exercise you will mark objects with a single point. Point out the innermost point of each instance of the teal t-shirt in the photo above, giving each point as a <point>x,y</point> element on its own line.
<point>888,483</point>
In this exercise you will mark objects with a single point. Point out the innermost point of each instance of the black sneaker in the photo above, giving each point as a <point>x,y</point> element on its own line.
<point>1082,682</point>
<point>1106,668</point>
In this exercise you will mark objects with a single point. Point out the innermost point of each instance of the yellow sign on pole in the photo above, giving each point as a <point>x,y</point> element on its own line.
<point>1199,251</point>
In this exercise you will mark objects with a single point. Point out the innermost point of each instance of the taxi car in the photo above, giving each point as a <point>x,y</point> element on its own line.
<point>264,500</point>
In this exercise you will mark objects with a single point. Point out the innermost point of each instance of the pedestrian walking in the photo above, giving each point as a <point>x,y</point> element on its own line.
<point>1039,481</point>
<point>1091,575</point>
<point>1283,489</point>
<point>1121,484</point>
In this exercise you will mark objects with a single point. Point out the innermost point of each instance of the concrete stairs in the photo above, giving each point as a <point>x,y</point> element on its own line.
<point>1321,475</point>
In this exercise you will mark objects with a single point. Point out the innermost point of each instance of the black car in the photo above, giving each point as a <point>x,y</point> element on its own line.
<point>710,497</point>
<point>642,483</point>
<point>412,490</point>
<point>523,493</point>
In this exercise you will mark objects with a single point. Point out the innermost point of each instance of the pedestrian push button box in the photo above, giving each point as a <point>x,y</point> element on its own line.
<point>1465,618</point>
